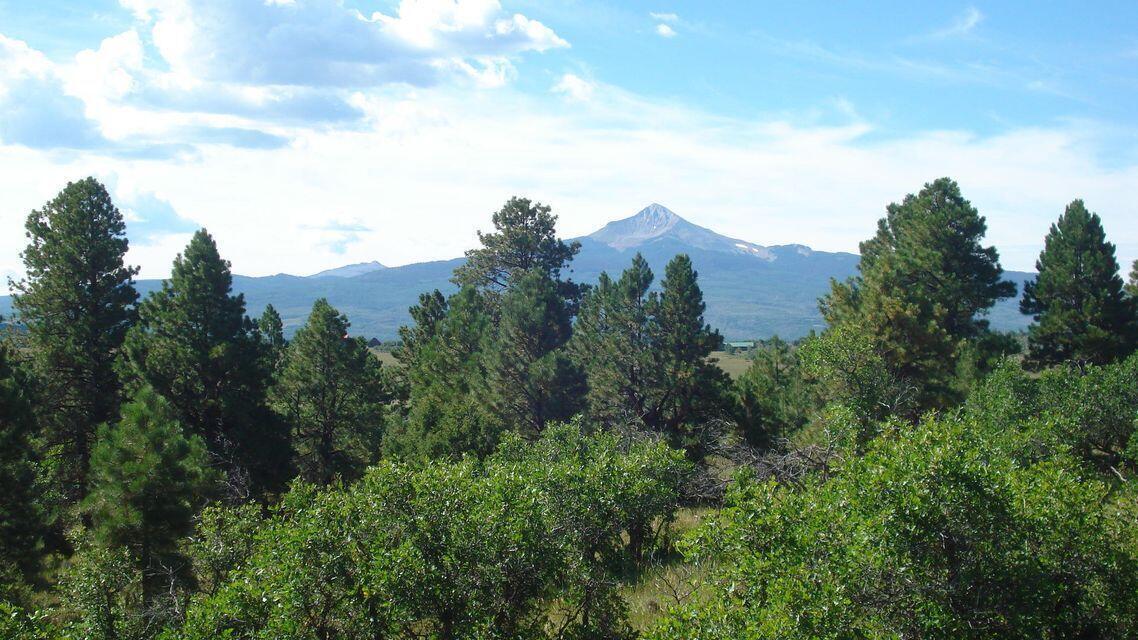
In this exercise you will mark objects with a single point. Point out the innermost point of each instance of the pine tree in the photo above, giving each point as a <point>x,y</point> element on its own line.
<point>148,479</point>
<point>444,370</point>
<point>197,349</point>
<point>695,387</point>
<point>1132,284</point>
<point>772,398</point>
<point>22,519</point>
<point>530,379</point>
<point>525,241</point>
<point>331,393</point>
<point>924,285</point>
<point>271,329</point>
<point>76,303</point>
<point>427,316</point>
<point>1080,310</point>
<point>613,343</point>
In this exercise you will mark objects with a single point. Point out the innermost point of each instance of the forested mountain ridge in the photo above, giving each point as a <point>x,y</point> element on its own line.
<point>752,291</point>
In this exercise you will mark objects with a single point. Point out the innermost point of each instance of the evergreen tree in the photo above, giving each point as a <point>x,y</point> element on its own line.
<point>1132,284</point>
<point>525,241</point>
<point>443,366</point>
<point>1080,310</point>
<point>21,516</point>
<point>331,393</point>
<point>924,285</point>
<point>695,386</point>
<point>772,397</point>
<point>148,480</point>
<point>614,344</point>
<point>200,352</point>
<point>530,379</point>
<point>76,302</point>
<point>427,316</point>
<point>272,337</point>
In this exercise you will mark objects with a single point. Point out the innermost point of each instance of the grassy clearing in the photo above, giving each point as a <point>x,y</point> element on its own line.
<point>386,357</point>
<point>669,581</point>
<point>733,364</point>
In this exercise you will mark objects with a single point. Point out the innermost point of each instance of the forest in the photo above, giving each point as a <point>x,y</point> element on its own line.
<point>546,458</point>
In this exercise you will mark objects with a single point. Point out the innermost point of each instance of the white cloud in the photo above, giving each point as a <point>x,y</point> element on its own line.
<point>665,31</point>
<point>250,73</point>
<point>664,17</point>
<point>575,87</point>
<point>962,25</point>
<point>432,165</point>
<point>323,43</point>
<point>37,110</point>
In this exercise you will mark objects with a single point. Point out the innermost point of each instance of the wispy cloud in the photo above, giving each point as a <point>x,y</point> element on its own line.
<point>664,17</point>
<point>665,31</point>
<point>962,25</point>
<point>575,87</point>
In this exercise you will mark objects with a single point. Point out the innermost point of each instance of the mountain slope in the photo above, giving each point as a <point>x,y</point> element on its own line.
<point>350,270</point>
<point>752,291</point>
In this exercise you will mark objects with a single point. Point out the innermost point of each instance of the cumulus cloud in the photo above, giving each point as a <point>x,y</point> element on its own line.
<point>36,110</point>
<point>250,73</point>
<point>431,167</point>
<point>665,31</point>
<point>323,43</point>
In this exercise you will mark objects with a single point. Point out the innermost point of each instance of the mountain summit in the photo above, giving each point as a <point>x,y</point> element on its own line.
<point>659,224</point>
<point>751,291</point>
<point>350,270</point>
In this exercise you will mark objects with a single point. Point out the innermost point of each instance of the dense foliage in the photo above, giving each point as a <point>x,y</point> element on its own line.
<point>177,470</point>
<point>76,303</point>
<point>951,528</point>
<point>1081,313</point>
<point>522,545</point>
<point>925,282</point>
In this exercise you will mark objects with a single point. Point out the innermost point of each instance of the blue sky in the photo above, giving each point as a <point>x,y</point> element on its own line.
<point>310,133</point>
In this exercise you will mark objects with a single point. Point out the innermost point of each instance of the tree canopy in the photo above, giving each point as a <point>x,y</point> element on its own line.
<point>925,283</point>
<point>1081,312</point>
<point>76,301</point>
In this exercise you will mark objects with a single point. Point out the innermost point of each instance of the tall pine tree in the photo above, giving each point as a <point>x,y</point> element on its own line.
<point>148,480</point>
<point>272,337</point>
<point>695,388</point>
<point>22,518</point>
<point>1080,310</point>
<point>925,283</point>
<point>614,344</point>
<point>530,379</point>
<point>195,346</point>
<point>332,396</point>
<point>76,302</point>
<point>1132,283</point>
<point>443,366</point>
<point>525,240</point>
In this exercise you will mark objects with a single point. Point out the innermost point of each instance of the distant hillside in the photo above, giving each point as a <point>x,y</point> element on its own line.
<point>752,291</point>
<point>350,270</point>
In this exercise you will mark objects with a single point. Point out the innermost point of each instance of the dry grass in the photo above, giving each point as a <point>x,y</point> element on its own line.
<point>385,357</point>
<point>668,582</point>
<point>733,365</point>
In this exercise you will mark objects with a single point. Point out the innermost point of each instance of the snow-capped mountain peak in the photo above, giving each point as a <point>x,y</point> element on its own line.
<point>657,223</point>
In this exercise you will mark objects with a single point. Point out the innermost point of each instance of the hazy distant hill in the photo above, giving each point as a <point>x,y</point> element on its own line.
<point>752,291</point>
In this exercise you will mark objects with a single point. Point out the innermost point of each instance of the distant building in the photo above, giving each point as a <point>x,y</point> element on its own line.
<point>742,344</point>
